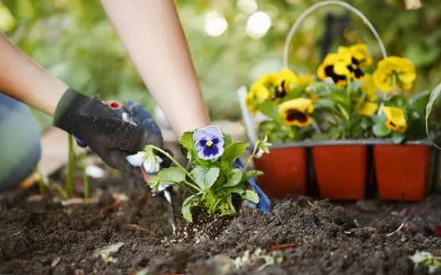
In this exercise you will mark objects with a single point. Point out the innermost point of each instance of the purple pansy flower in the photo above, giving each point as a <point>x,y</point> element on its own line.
<point>209,142</point>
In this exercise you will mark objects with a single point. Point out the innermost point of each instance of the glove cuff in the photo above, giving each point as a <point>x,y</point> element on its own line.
<point>66,110</point>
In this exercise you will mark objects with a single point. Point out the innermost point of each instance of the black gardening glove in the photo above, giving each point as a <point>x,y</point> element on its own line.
<point>106,130</point>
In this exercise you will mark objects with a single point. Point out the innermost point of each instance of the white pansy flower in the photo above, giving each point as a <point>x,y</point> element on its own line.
<point>147,159</point>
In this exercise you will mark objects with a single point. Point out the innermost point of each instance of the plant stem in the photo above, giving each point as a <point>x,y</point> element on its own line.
<point>85,180</point>
<point>41,183</point>
<point>192,185</point>
<point>186,187</point>
<point>70,169</point>
<point>252,156</point>
<point>176,163</point>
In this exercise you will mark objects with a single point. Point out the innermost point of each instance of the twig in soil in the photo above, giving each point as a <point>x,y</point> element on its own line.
<point>112,206</point>
<point>310,203</point>
<point>136,227</point>
<point>282,246</point>
<point>396,231</point>
<point>79,201</point>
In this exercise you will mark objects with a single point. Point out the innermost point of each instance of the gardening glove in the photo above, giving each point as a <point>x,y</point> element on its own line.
<point>264,204</point>
<point>112,131</point>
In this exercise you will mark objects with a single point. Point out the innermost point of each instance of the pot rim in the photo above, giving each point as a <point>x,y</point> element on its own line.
<point>366,142</point>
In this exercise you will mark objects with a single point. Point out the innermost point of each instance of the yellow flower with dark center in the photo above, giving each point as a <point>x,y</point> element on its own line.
<point>394,72</point>
<point>278,84</point>
<point>369,87</point>
<point>367,108</point>
<point>295,112</point>
<point>283,83</point>
<point>354,67</point>
<point>339,67</point>
<point>326,69</point>
<point>257,94</point>
<point>396,121</point>
<point>360,54</point>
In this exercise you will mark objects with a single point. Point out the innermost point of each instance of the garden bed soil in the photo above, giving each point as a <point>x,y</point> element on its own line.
<point>38,235</point>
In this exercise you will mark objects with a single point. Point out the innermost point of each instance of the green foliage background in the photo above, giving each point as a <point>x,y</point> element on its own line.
<point>75,41</point>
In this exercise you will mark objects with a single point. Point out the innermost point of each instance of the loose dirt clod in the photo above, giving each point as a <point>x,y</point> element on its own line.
<point>45,237</point>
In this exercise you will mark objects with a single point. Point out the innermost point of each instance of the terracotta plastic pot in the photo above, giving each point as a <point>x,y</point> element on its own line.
<point>340,171</point>
<point>401,171</point>
<point>285,172</point>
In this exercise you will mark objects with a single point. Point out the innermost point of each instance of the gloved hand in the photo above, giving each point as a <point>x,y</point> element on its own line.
<point>112,132</point>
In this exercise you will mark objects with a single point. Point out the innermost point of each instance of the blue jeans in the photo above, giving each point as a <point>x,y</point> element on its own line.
<point>20,149</point>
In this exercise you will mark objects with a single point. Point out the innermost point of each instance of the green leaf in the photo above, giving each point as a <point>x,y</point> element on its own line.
<point>143,271</point>
<point>324,103</point>
<point>251,196</point>
<point>397,137</point>
<point>397,101</point>
<point>235,179</point>
<point>254,173</point>
<point>187,141</point>
<point>205,178</point>
<point>321,137</point>
<point>153,180</point>
<point>270,110</point>
<point>236,190</point>
<point>378,119</point>
<point>343,112</point>
<point>233,151</point>
<point>381,130</point>
<point>355,85</point>
<point>173,174</point>
<point>187,205</point>
<point>433,97</point>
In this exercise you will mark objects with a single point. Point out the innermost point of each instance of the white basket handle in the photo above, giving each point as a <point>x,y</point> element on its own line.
<point>322,4</point>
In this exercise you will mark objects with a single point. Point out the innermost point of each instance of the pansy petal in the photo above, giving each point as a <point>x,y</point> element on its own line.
<point>200,144</point>
<point>136,159</point>
<point>201,134</point>
<point>151,167</point>
<point>221,150</point>
<point>211,152</point>
<point>221,142</point>
<point>214,130</point>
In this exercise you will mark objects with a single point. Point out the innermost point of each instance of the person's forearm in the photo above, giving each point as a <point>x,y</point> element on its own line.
<point>21,78</point>
<point>153,37</point>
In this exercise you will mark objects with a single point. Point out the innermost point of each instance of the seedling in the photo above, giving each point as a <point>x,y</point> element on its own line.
<point>215,178</point>
<point>426,259</point>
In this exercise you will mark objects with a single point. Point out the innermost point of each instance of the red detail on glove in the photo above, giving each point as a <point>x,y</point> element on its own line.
<point>115,105</point>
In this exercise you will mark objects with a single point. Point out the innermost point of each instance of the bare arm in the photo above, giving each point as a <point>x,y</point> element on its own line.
<point>152,34</point>
<point>21,78</point>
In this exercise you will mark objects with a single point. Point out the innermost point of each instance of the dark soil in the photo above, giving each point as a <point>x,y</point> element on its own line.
<point>45,237</point>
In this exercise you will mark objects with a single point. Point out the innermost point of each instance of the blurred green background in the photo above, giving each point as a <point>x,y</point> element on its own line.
<point>232,42</point>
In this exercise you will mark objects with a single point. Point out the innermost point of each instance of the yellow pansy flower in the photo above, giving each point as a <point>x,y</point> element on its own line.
<point>367,108</point>
<point>257,94</point>
<point>278,84</point>
<point>339,67</point>
<point>334,66</point>
<point>295,112</point>
<point>360,54</point>
<point>369,87</point>
<point>396,121</point>
<point>394,72</point>
<point>303,80</point>
<point>352,68</point>
<point>267,80</point>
